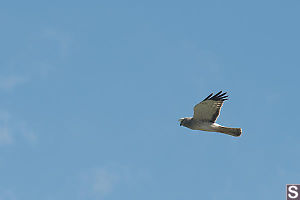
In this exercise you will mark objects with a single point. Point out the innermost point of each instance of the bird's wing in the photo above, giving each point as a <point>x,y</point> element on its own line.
<point>209,108</point>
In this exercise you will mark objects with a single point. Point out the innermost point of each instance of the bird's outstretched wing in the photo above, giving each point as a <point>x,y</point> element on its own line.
<point>209,108</point>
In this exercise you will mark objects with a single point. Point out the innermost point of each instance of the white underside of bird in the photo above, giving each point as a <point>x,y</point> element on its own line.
<point>214,127</point>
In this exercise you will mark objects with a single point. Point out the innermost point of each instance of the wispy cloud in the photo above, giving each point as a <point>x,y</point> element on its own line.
<point>27,133</point>
<point>61,39</point>
<point>36,59</point>
<point>12,81</point>
<point>12,130</point>
<point>100,182</point>
<point>6,194</point>
<point>5,136</point>
<point>104,181</point>
<point>5,132</point>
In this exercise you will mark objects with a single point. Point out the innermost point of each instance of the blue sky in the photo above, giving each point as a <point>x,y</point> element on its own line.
<point>91,93</point>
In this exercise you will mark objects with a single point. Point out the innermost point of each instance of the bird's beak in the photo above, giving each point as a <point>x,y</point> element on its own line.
<point>181,120</point>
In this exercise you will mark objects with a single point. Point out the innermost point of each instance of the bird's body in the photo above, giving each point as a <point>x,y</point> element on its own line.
<point>195,124</point>
<point>205,115</point>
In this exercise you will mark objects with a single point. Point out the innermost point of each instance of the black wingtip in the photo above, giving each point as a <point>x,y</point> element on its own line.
<point>217,97</point>
<point>208,96</point>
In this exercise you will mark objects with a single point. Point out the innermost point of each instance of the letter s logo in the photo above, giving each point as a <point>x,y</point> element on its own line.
<point>293,193</point>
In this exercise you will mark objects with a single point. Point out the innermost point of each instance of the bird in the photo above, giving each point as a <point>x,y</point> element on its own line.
<point>205,115</point>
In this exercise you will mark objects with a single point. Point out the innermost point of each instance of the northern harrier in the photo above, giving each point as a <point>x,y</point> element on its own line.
<point>205,115</point>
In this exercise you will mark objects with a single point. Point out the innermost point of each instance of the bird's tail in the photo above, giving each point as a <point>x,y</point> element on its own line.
<point>230,131</point>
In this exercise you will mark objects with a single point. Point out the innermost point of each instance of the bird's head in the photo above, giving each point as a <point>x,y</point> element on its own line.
<point>181,120</point>
<point>186,121</point>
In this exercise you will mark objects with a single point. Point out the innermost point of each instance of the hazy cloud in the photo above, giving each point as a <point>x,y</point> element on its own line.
<point>5,133</point>
<point>43,53</point>
<point>104,181</point>
<point>7,195</point>
<point>12,81</point>
<point>61,39</point>
<point>100,182</point>
<point>12,130</point>
<point>27,133</point>
<point>5,136</point>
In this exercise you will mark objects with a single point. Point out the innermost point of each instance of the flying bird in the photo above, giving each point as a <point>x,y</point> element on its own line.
<point>205,115</point>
